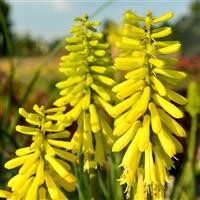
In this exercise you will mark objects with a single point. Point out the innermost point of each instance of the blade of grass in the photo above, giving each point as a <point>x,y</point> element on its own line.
<point>101,8</point>
<point>7,105</point>
<point>114,175</point>
<point>186,178</point>
<point>102,186</point>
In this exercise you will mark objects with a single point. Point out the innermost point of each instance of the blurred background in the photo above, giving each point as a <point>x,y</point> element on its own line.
<point>32,41</point>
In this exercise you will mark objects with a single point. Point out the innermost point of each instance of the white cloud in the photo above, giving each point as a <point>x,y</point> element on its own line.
<point>60,5</point>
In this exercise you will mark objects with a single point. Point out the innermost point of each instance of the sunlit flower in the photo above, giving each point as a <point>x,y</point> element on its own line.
<point>146,110</point>
<point>87,89</point>
<point>43,166</point>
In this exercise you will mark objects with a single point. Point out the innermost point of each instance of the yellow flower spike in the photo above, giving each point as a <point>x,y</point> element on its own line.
<point>171,124</point>
<point>122,128</point>
<point>159,86</point>
<point>86,100</point>
<point>88,68</point>
<point>87,135</point>
<point>144,134</point>
<point>122,142</point>
<point>52,187</point>
<point>38,110</point>
<point>146,72</point>
<point>167,143</point>
<point>130,41</point>
<point>29,162</point>
<point>124,105</point>
<point>64,164</point>
<point>137,74</point>
<point>27,130</point>
<point>101,92</point>
<point>162,32</point>
<point>105,80</point>
<point>128,63</point>
<point>57,143</point>
<point>15,162</point>
<point>32,191</point>
<point>163,18</point>
<point>18,180</point>
<point>24,151</point>
<point>41,156</point>
<point>140,106</point>
<point>170,49</point>
<point>42,193</point>
<point>106,129</point>
<point>132,155</point>
<point>167,161</point>
<point>170,73</point>
<point>157,62</point>
<point>62,134</point>
<point>40,172</point>
<point>122,85</point>
<point>177,98</point>
<point>60,169</point>
<point>149,167</point>
<point>65,155</point>
<point>99,151</point>
<point>104,104</point>
<point>141,192</point>
<point>77,139</point>
<point>11,182</point>
<point>131,116</point>
<point>5,194</point>
<point>120,119</point>
<point>155,118</point>
<point>160,169</point>
<point>158,192</point>
<point>49,149</point>
<point>62,182</point>
<point>127,177</point>
<point>74,113</point>
<point>94,119</point>
<point>89,56</point>
<point>168,107</point>
<point>131,89</point>
<point>69,82</point>
<point>21,192</point>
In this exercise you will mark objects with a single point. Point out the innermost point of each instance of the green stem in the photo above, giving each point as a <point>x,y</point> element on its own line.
<point>94,184</point>
<point>192,138</point>
<point>186,179</point>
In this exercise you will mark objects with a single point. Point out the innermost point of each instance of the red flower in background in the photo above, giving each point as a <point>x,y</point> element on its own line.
<point>189,62</point>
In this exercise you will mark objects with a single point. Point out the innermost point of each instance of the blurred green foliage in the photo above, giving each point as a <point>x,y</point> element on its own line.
<point>5,12</point>
<point>188,30</point>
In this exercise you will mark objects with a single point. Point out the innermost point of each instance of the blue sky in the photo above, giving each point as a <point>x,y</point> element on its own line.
<point>52,19</point>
